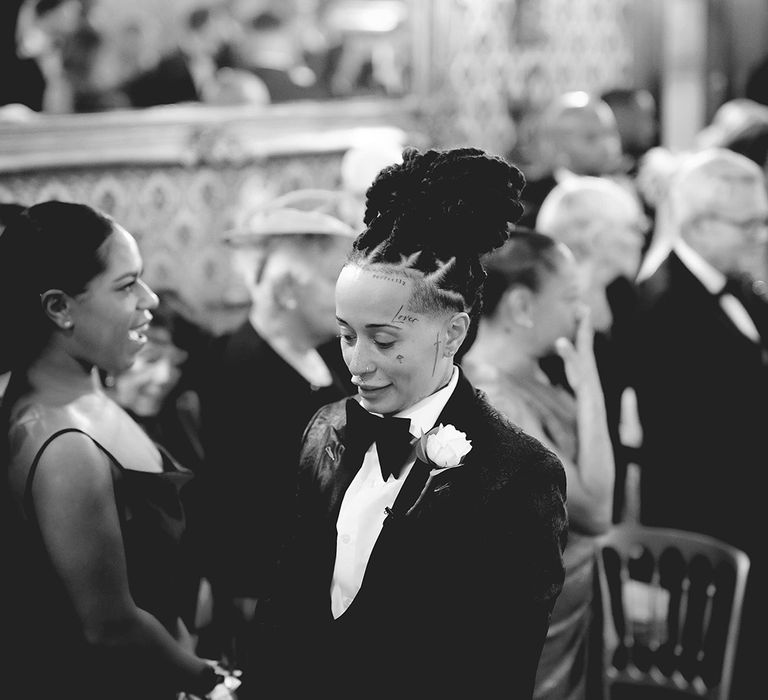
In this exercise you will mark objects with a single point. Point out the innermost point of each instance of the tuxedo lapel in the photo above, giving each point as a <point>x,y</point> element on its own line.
<point>349,462</point>
<point>695,296</point>
<point>457,412</point>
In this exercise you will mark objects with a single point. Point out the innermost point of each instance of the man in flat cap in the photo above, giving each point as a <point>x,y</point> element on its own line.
<point>266,380</point>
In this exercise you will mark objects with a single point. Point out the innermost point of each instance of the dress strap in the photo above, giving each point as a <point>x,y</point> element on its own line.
<point>33,469</point>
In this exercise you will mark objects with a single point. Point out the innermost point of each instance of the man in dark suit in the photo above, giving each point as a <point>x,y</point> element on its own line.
<point>187,72</point>
<point>701,372</point>
<point>265,381</point>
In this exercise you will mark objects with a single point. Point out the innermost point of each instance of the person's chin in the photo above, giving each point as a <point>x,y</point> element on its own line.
<point>375,399</point>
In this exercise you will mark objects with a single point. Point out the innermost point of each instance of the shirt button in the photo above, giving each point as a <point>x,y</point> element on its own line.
<point>345,539</point>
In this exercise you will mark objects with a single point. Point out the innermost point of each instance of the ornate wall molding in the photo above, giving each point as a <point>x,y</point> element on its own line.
<point>195,134</point>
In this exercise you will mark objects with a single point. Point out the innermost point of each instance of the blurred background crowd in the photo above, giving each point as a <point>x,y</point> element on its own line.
<point>86,55</point>
<point>655,184</point>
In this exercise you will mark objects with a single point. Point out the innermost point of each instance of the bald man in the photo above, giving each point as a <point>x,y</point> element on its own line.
<point>604,225</point>
<point>701,366</point>
<point>578,136</point>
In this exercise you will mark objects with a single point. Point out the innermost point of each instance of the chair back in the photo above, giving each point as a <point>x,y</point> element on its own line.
<point>671,604</point>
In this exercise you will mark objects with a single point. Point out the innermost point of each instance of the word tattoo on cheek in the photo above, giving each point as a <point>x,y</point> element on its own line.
<point>403,318</point>
<point>389,278</point>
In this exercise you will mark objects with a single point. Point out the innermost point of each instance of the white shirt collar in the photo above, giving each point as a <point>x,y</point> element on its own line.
<point>424,414</point>
<point>561,174</point>
<point>712,279</point>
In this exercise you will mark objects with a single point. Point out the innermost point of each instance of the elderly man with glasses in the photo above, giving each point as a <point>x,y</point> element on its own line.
<point>701,371</point>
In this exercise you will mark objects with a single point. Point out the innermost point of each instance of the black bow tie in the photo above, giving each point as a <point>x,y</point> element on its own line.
<point>391,435</point>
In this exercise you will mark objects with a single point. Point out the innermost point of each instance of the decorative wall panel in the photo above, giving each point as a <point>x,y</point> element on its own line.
<point>497,60</point>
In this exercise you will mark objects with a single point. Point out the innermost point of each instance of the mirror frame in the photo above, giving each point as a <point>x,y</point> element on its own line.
<point>192,134</point>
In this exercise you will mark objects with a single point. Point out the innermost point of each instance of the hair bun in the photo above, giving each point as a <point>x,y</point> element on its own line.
<point>452,202</point>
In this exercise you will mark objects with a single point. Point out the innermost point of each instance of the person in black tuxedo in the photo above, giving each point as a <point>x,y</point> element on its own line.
<point>426,555</point>
<point>265,380</point>
<point>701,372</point>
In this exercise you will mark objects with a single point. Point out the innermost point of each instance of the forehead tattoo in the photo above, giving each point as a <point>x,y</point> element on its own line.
<point>389,278</point>
<point>401,317</point>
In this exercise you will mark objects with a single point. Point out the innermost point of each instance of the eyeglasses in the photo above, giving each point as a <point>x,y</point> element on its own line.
<point>749,227</point>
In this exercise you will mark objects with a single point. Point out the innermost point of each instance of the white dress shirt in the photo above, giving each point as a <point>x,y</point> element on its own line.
<point>362,509</point>
<point>714,281</point>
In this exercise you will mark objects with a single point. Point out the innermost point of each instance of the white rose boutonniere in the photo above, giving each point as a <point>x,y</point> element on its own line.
<point>443,447</point>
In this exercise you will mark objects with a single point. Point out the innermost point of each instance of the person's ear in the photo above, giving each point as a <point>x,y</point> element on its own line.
<point>284,288</point>
<point>455,333</point>
<point>697,233</point>
<point>518,306</point>
<point>56,307</point>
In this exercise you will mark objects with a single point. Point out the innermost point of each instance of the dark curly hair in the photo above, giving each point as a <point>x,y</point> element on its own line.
<point>433,216</point>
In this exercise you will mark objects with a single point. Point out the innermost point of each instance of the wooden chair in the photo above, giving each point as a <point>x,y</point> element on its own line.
<point>671,607</point>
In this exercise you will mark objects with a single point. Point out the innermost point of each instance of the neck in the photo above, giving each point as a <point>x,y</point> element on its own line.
<point>504,349</point>
<point>281,329</point>
<point>59,373</point>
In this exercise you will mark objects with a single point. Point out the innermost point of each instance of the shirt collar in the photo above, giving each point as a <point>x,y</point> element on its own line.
<point>712,279</point>
<point>561,174</point>
<point>424,414</point>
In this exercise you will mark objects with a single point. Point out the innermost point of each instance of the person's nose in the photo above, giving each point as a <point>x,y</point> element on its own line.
<point>147,298</point>
<point>360,362</point>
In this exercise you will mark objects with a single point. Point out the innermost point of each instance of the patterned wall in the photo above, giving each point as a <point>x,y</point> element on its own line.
<point>497,60</point>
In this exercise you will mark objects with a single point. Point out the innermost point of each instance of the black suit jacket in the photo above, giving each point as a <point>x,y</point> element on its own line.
<point>533,195</point>
<point>457,593</point>
<point>702,390</point>
<point>168,82</point>
<point>254,408</point>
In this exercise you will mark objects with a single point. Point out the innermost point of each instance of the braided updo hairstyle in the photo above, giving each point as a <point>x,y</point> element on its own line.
<point>433,216</point>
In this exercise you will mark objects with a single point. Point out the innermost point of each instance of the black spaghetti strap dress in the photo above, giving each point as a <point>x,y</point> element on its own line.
<point>49,656</point>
